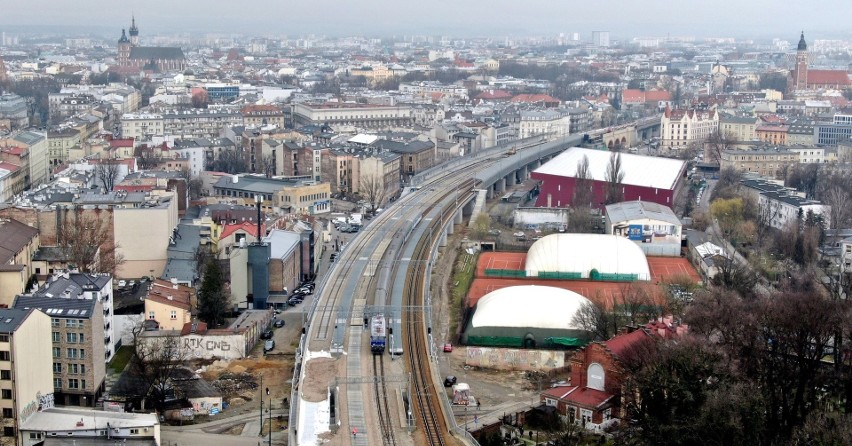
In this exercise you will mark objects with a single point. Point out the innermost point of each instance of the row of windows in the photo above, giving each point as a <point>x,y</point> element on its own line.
<point>71,338</point>
<point>69,323</point>
<point>172,315</point>
<point>71,353</point>
<point>73,383</point>
<point>74,369</point>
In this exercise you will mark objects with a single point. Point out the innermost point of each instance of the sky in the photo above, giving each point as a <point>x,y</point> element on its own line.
<point>460,18</point>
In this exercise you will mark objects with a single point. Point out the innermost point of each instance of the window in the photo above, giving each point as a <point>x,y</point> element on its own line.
<point>54,322</point>
<point>151,315</point>
<point>82,354</point>
<point>57,383</point>
<point>57,367</point>
<point>82,383</point>
<point>5,356</point>
<point>8,431</point>
<point>5,375</point>
<point>173,315</point>
<point>56,336</point>
<point>73,383</point>
<point>72,353</point>
<point>4,338</point>
<point>7,413</point>
<point>71,338</point>
<point>73,368</point>
<point>6,394</point>
<point>595,376</point>
<point>134,431</point>
<point>57,352</point>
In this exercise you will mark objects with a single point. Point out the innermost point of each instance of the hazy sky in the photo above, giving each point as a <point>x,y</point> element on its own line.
<point>758,18</point>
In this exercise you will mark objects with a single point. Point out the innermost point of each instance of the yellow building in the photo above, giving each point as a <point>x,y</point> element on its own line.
<point>26,374</point>
<point>18,242</point>
<point>170,304</point>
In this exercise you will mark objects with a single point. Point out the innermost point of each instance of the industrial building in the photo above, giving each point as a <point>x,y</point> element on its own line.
<point>646,178</point>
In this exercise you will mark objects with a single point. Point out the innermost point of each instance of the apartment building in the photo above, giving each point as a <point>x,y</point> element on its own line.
<point>680,127</point>
<point>141,126</point>
<point>35,145</point>
<point>358,115</point>
<point>81,325</point>
<point>766,163</point>
<point>59,143</point>
<point>26,380</point>
<point>551,123</point>
<point>783,209</point>
<point>262,115</point>
<point>278,195</point>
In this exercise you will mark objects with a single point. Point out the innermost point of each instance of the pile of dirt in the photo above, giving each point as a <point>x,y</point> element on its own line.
<point>232,383</point>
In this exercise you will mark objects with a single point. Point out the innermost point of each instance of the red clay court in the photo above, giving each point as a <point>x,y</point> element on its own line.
<point>662,268</point>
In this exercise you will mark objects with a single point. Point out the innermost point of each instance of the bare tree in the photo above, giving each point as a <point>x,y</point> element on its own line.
<point>614,177</point>
<point>229,161</point>
<point>267,166</point>
<point>193,183</point>
<point>87,242</point>
<point>716,144</point>
<point>107,172</point>
<point>582,185</point>
<point>154,364</point>
<point>838,197</point>
<point>145,157</point>
<point>373,189</point>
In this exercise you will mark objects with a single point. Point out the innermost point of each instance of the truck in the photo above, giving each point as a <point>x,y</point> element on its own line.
<point>378,334</point>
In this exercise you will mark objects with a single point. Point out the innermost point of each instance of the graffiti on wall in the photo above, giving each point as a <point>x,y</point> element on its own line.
<point>514,359</point>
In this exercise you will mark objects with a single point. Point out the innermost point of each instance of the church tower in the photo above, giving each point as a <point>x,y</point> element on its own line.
<point>123,50</point>
<point>801,71</point>
<point>134,33</point>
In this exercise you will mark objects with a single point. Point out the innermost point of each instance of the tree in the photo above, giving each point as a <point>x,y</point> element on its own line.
<point>773,81</point>
<point>481,224</point>
<point>193,184</point>
<point>200,99</point>
<point>86,241</point>
<point>373,189</point>
<point>145,157</point>
<point>107,171</point>
<point>728,212</point>
<point>614,177</point>
<point>728,184</point>
<point>212,301</point>
<point>582,185</point>
<point>154,364</point>
<point>732,275</point>
<point>716,144</point>
<point>596,320</point>
<point>838,197</point>
<point>229,161</point>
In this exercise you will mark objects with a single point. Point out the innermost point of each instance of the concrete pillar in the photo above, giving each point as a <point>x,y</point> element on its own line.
<point>524,173</point>
<point>501,185</point>
<point>443,240</point>
<point>458,219</point>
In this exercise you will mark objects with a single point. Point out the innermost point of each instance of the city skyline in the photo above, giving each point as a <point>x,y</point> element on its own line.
<point>621,18</point>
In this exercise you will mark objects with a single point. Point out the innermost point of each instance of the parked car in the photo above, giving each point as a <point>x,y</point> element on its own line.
<point>122,283</point>
<point>268,346</point>
<point>279,323</point>
<point>293,301</point>
<point>304,290</point>
<point>450,380</point>
<point>266,334</point>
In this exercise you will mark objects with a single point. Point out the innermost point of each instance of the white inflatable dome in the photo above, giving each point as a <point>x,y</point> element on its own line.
<point>581,253</point>
<point>528,306</point>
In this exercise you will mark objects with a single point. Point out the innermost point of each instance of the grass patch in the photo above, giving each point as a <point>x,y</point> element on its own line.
<point>463,272</point>
<point>120,359</point>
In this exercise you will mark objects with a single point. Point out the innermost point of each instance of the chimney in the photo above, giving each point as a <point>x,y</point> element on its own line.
<point>174,283</point>
<point>170,297</point>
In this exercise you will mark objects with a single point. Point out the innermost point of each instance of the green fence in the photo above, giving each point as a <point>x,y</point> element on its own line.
<point>505,273</point>
<point>559,275</point>
<point>495,341</point>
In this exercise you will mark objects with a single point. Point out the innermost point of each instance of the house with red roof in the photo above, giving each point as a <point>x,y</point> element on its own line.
<point>494,95</point>
<point>593,398</point>
<point>233,234</point>
<point>536,99</point>
<point>632,97</point>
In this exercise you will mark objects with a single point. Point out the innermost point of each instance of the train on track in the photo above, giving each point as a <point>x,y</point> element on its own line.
<point>378,334</point>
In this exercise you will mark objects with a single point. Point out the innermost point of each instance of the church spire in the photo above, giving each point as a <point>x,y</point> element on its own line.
<point>123,38</point>
<point>134,32</point>
<point>803,46</point>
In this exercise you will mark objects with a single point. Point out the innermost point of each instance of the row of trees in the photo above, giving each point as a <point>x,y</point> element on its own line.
<point>583,219</point>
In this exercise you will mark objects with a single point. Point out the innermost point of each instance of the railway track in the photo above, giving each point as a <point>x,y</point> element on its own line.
<point>382,406</point>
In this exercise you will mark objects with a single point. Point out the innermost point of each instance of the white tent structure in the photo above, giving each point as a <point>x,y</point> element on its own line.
<point>527,316</point>
<point>587,256</point>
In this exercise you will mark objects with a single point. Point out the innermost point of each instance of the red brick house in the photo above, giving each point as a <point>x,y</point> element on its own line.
<point>593,398</point>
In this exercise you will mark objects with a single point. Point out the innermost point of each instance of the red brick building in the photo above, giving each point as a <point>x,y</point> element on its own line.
<point>593,398</point>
